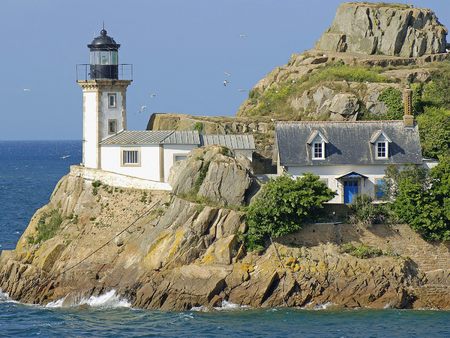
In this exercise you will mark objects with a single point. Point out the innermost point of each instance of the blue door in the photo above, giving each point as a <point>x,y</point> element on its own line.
<point>350,191</point>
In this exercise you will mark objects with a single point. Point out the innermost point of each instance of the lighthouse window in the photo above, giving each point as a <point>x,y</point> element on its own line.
<point>112,126</point>
<point>114,58</point>
<point>112,100</point>
<point>130,158</point>
<point>105,58</point>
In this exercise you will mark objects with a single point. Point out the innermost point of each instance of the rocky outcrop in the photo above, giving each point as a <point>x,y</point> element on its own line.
<point>161,251</point>
<point>386,29</point>
<point>211,173</point>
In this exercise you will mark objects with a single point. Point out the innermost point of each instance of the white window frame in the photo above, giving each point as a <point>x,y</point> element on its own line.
<point>313,150</point>
<point>180,154</point>
<point>109,125</point>
<point>133,164</point>
<point>114,105</point>
<point>386,150</point>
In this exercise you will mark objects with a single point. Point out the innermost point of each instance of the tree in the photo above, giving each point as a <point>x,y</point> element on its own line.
<point>282,206</point>
<point>422,199</point>
<point>434,127</point>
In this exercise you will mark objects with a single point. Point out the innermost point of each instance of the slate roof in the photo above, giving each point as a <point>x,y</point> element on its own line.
<point>147,137</point>
<point>349,143</point>
<point>236,142</point>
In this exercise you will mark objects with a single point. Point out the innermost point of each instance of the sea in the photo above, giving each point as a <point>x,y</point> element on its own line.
<point>29,171</point>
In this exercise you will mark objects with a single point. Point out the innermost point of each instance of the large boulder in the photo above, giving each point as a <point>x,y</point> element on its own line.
<point>215,174</point>
<point>387,29</point>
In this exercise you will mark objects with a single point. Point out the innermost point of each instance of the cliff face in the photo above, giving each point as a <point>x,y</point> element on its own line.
<point>173,252</point>
<point>396,30</point>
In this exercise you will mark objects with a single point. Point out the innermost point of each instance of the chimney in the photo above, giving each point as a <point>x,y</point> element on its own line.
<point>408,117</point>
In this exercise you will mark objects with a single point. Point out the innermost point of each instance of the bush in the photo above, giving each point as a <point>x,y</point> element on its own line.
<point>282,206</point>
<point>365,212</point>
<point>393,98</point>
<point>48,225</point>
<point>422,199</point>
<point>361,251</point>
<point>198,126</point>
<point>434,127</point>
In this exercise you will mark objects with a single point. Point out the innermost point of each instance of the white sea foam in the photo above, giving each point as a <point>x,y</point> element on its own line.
<point>106,300</point>
<point>323,306</point>
<point>4,298</point>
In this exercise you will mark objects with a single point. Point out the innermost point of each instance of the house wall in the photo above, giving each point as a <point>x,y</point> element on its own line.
<point>111,160</point>
<point>366,186</point>
<point>90,129</point>
<point>170,150</point>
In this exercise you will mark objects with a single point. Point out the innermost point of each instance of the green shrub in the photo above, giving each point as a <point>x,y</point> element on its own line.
<point>422,199</point>
<point>282,206</point>
<point>365,212</point>
<point>393,99</point>
<point>48,225</point>
<point>198,126</point>
<point>434,128</point>
<point>436,92</point>
<point>361,250</point>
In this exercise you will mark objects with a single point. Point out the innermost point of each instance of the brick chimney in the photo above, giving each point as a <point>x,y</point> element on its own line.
<point>408,117</point>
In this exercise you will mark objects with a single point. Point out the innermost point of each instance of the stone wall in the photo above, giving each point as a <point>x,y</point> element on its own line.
<point>398,239</point>
<point>117,180</point>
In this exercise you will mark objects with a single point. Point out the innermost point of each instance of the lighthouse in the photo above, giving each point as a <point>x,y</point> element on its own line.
<point>104,84</point>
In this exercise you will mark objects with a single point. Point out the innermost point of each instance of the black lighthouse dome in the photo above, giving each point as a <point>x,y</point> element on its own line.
<point>104,57</point>
<point>103,41</point>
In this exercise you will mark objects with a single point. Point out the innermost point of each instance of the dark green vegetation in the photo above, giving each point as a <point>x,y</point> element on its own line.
<point>47,227</point>
<point>422,198</point>
<point>361,251</point>
<point>363,211</point>
<point>283,206</point>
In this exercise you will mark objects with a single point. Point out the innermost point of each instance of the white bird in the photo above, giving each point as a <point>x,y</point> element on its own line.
<point>27,90</point>
<point>227,74</point>
<point>225,82</point>
<point>142,109</point>
<point>64,157</point>
<point>242,35</point>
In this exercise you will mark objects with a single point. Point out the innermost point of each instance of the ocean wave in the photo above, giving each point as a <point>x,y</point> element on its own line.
<point>323,306</point>
<point>4,298</point>
<point>225,306</point>
<point>107,300</point>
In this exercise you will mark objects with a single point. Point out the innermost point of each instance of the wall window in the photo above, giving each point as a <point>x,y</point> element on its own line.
<point>382,149</point>
<point>112,127</point>
<point>130,158</point>
<point>112,100</point>
<point>318,151</point>
<point>380,188</point>
<point>177,158</point>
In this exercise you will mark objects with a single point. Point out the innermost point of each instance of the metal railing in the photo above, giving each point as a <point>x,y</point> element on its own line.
<point>124,72</point>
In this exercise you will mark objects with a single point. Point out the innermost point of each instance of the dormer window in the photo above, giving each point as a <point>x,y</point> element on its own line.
<point>317,143</point>
<point>382,149</point>
<point>318,151</point>
<point>380,142</point>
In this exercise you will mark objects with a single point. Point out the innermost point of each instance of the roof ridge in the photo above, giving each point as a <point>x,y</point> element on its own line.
<point>340,122</point>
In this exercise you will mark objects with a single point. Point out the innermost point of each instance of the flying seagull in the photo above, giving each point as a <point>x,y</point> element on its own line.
<point>242,35</point>
<point>142,109</point>
<point>225,82</point>
<point>27,90</point>
<point>152,95</point>
<point>227,74</point>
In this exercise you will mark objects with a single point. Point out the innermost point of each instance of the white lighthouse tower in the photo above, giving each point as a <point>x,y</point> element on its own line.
<point>104,97</point>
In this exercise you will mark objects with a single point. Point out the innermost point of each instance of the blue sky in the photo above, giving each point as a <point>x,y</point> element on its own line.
<point>180,50</point>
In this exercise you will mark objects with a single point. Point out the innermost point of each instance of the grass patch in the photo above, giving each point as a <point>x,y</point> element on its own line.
<point>361,251</point>
<point>48,225</point>
<point>276,99</point>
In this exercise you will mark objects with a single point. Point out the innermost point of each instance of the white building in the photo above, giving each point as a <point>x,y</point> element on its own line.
<point>350,157</point>
<point>108,145</point>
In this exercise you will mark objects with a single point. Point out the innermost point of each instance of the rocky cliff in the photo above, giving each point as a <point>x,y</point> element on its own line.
<point>386,29</point>
<point>176,251</point>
